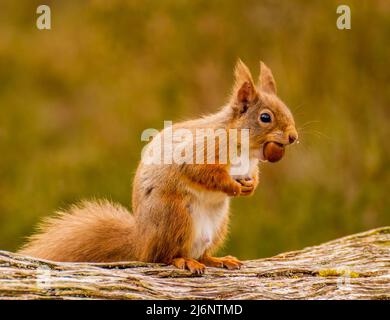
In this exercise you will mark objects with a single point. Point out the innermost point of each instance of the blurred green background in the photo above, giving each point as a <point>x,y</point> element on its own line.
<point>74,101</point>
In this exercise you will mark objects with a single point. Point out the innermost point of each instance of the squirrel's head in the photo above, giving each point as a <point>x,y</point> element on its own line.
<point>257,108</point>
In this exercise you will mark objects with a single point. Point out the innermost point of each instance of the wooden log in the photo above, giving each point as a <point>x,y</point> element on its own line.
<point>354,267</point>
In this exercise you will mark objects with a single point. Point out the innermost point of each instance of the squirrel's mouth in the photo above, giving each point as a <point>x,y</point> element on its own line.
<point>271,151</point>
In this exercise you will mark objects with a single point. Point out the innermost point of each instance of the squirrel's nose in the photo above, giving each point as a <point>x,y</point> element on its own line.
<point>292,137</point>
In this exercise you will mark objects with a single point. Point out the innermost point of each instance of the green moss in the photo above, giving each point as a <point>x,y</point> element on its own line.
<point>383,243</point>
<point>338,273</point>
<point>383,230</point>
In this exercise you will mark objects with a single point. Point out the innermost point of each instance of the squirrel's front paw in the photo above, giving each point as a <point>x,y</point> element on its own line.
<point>248,186</point>
<point>232,189</point>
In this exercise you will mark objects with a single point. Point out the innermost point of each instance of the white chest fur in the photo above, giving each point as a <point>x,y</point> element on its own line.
<point>208,212</point>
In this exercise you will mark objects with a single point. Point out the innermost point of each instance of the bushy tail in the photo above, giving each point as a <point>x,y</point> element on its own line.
<point>96,231</point>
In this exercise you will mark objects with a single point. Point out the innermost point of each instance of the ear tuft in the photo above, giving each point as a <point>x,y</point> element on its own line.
<point>244,91</point>
<point>242,73</point>
<point>266,79</point>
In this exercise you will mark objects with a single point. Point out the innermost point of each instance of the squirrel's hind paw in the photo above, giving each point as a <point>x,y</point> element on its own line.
<point>190,264</point>
<point>227,262</point>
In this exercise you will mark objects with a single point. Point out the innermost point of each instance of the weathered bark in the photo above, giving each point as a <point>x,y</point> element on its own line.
<point>354,267</point>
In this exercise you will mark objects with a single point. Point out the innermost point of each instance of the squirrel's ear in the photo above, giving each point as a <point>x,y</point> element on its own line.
<point>266,79</point>
<point>244,91</point>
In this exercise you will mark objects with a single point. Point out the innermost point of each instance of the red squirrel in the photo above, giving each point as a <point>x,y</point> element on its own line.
<point>180,211</point>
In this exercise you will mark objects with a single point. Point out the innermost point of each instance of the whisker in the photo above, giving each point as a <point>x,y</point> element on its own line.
<point>295,109</point>
<point>315,133</point>
<point>309,122</point>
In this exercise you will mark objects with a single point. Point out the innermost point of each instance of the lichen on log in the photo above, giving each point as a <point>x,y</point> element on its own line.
<point>353,267</point>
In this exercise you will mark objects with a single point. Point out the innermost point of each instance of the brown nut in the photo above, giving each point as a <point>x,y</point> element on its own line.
<point>273,151</point>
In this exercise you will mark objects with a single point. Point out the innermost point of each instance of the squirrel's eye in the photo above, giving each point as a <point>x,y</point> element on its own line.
<point>265,117</point>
